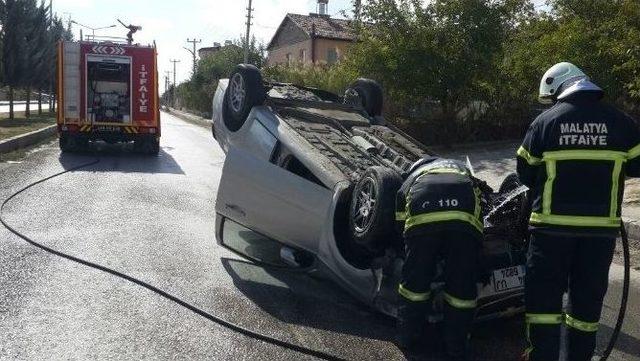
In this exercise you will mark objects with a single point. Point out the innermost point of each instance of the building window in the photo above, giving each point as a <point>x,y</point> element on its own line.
<point>303,55</point>
<point>289,59</point>
<point>332,55</point>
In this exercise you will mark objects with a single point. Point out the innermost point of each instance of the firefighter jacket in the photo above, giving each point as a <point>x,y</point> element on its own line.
<point>438,193</point>
<point>574,159</point>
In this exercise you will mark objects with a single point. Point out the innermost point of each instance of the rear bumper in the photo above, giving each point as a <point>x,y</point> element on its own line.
<point>110,133</point>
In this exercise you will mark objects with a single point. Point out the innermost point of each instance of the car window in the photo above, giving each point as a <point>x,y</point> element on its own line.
<point>295,166</point>
<point>283,158</point>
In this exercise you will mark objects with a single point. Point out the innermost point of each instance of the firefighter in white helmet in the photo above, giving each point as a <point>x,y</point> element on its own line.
<point>574,158</point>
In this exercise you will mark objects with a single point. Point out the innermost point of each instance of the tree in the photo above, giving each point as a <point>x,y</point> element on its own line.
<point>38,51</point>
<point>445,52</point>
<point>196,94</point>
<point>15,27</point>
<point>600,36</point>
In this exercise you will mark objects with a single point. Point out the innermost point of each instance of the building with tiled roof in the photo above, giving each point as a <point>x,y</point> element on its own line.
<point>310,39</point>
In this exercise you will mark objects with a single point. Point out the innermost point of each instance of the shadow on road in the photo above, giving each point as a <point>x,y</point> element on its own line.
<point>626,343</point>
<point>122,159</point>
<point>297,298</point>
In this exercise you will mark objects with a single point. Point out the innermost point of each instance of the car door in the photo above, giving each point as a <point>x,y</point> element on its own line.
<point>267,198</point>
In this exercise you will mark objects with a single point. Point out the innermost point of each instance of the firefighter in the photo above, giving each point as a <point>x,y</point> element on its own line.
<point>439,208</point>
<point>574,159</point>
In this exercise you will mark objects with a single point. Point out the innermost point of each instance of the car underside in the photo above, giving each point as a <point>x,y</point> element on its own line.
<point>333,143</point>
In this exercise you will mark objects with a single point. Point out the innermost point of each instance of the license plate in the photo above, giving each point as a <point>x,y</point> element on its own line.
<point>106,128</point>
<point>507,279</point>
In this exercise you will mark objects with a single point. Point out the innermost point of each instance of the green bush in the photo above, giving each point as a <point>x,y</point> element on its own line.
<point>438,61</point>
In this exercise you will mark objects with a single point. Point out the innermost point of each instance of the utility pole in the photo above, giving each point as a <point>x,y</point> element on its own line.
<point>174,71</point>
<point>193,52</point>
<point>166,80</point>
<point>246,39</point>
<point>173,91</point>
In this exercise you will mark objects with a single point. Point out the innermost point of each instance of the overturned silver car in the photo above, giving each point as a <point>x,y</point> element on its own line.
<point>297,191</point>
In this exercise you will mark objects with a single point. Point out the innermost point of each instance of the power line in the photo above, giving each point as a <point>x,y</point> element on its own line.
<point>193,52</point>
<point>246,40</point>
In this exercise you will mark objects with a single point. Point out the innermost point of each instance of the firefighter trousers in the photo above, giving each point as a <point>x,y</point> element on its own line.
<point>459,250</point>
<point>556,264</point>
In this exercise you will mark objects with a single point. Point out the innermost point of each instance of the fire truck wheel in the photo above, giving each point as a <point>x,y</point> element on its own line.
<point>370,93</point>
<point>146,145</point>
<point>154,146</point>
<point>245,91</point>
<point>70,143</point>
<point>372,211</point>
<point>64,143</point>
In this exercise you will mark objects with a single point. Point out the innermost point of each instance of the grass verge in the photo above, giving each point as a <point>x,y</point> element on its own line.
<point>21,125</point>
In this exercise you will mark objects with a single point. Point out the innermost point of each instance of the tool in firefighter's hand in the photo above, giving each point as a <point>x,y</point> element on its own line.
<point>132,30</point>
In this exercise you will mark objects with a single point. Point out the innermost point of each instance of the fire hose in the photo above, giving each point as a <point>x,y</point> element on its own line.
<point>227,324</point>
<point>625,293</point>
<point>254,334</point>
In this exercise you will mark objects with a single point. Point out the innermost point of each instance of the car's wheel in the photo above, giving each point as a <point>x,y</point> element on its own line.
<point>370,93</point>
<point>245,90</point>
<point>372,211</point>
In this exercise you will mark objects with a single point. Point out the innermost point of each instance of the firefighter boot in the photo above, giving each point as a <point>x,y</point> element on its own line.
<point>456,332</point>
<point>411,322</point>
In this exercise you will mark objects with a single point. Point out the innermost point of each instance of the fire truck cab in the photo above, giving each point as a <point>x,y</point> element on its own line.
<point>108,92</point>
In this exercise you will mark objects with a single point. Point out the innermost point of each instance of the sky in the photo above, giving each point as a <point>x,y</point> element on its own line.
<point>171,22</point>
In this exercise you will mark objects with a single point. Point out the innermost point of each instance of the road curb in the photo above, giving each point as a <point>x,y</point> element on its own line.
<point>27,139</point>
<point>190,117</point>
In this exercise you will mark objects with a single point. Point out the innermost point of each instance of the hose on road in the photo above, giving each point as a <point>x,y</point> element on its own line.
<point>253,334</point>
<point>625,294</point>
<point>230,325</point>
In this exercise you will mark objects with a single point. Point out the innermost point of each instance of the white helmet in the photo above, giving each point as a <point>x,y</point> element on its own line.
<point>554,78</point>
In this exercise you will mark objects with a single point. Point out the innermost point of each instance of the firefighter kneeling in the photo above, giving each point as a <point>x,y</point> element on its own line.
<point>440,207</point>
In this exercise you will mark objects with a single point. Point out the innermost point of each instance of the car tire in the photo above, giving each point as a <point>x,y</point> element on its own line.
<point>372,211</point>
<point>245,90</point>
<point>370,92</point>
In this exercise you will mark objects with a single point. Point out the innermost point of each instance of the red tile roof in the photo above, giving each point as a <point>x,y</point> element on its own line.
<point>321,26</point>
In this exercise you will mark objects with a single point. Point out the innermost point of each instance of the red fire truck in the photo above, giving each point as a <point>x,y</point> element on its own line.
<point>108,91</point>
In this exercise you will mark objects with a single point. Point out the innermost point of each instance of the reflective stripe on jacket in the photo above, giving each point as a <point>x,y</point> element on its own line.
<point>574,159</point>
<point>437,192</point>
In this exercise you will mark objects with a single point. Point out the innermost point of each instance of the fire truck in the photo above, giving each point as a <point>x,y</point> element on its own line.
<point>108,91</point>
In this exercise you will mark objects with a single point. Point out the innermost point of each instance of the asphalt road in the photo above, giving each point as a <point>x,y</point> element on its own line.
<point>153,218</point>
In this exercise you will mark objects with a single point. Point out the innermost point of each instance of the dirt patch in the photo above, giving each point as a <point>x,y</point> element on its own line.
<point>12,127</point>
<point>634,252</point>
<point>632,192</point>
